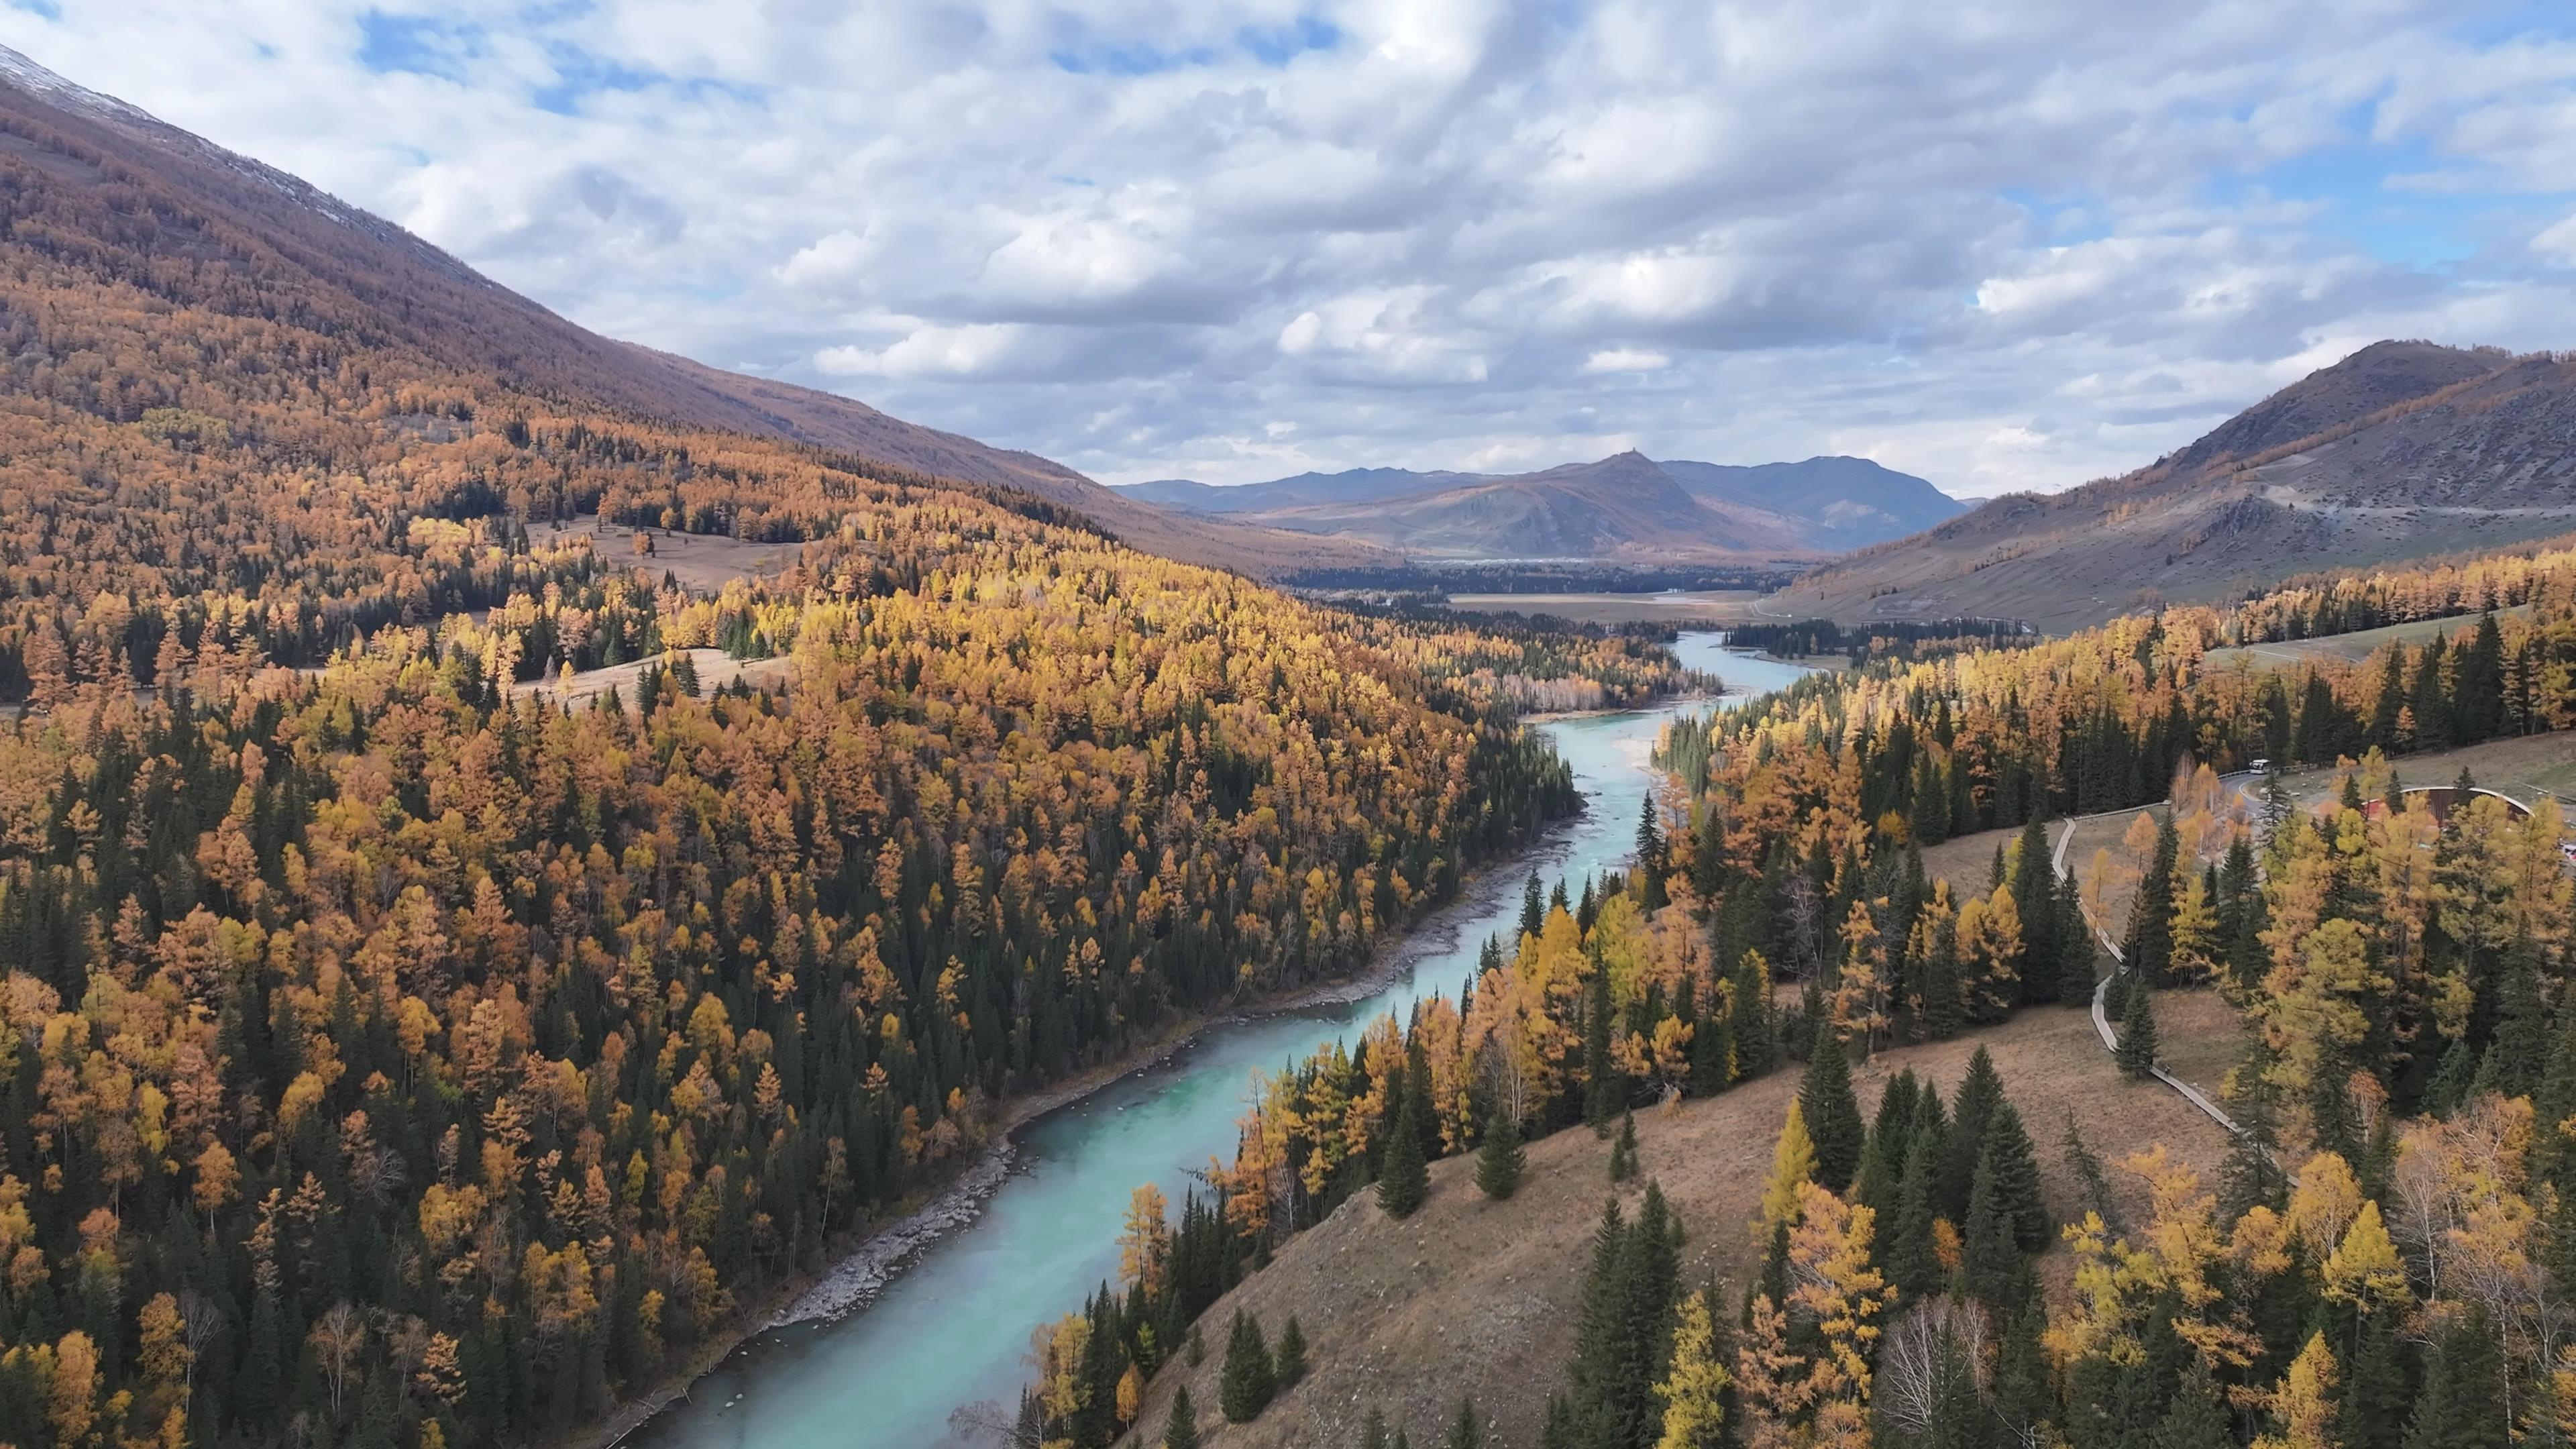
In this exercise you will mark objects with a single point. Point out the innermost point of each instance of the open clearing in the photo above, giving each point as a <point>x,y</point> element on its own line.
<point>1479,1297</point>
<point>1966,861</point>
<point>716,669</point>
<point>2524,767</point>
<point>2358,644</point>
<point>702,563</point>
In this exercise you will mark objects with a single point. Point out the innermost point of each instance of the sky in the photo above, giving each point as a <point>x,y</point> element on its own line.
<point>2010,244</point>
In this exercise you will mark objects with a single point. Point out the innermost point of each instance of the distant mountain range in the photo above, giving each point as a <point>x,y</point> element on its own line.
<point>2402,450</point>
<point>1626,507</point>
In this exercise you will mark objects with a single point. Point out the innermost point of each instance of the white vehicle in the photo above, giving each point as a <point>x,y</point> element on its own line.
<point>2259,767</point>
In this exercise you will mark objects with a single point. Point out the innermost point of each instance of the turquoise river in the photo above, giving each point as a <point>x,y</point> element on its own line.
<point>953,1328</point>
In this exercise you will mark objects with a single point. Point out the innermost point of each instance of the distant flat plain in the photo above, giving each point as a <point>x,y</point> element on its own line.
<point>1697,608</point>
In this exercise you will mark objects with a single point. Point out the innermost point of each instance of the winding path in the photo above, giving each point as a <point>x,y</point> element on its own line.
<point>2101,989</point>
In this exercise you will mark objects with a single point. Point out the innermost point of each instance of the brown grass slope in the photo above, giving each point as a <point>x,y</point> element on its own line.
<point>2403,450</point>
<point>1478,1297</point>
<point>142,202</point>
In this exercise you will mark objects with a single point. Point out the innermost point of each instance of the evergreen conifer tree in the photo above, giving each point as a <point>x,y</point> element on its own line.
<point>1533,908</point>
<point>1404,1179</point>
<point>1499,1159</point>
<point>2016,1176</point>
<point>2078,963</point>
<point>1373,1429</point>
<point>2195,1417</point>
<point>1623,1151</point>
<point>1832,1111</point>
<point>1882,1161</point>
<point>2137,1050</point>
<point>1750,1024</point>
<point>1981,1091</point>
<point>1466,1431</point>
<point>1651,864</point>
<point>1244,1385</point>
<point>1601,1087</point>
<point>2148,951</point>
<point>1990,1262</point>
<point>2375,1401</point>
<point>1289,1362</point>
<point>2462,1402</point>
<point>1183,1430</point>
<point>1906,1244</point>
<point>2023,1396</point>
<point>2034,891</point>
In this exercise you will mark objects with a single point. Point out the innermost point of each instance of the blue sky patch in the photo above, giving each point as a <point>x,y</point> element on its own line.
<point>1128,60</point>
<point>1280,44</point>
<point>417,44</point>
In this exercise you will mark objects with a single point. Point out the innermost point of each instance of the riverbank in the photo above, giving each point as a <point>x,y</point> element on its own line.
<point>947,1328</point>
<point>875,1262</point>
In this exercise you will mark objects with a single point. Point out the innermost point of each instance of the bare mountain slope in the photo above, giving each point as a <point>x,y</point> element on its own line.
<point>1628,508</point>
<point>2403,449</point>
<point>1621,507</point>
<point>200,224</point>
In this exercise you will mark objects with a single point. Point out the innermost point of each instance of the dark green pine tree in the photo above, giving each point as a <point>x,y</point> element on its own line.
<point>2388,700</point>
<point>2016,1176</point>
<point>1945,1006</point>
<point>1980,1092</point>
<point>1600,1333</point>
<point>2195,1417</point>
<point>1466,1431</point>
<point>1288,1363</point>
<point>2372,1414</point>
<point>2452,1077</point>
<point>1601,1086</point>
<point>2078,963</point>
<point>1882,1162</point>
<point>1373,1429</point>
<point>1244,1385</point>
<point>1832,1112</point>
<point>1990,1262</point>
<point>1533,908</point>
<point>1906,1247</point>
<point>2554,1153</point>
<point>1651,864</point>
<point>2462,1402</point>
<point>2024,1398</point>
<point>1931,812</point>
<point>2430,697</point>
<point>1623,1328</point>
<point>1749,1018</point>
<point>2148,949</point>
<point>2034,894</point>
<point>1182,1432</point>
<point>1712,1059</point>
<point>2137,1050</point>
<point>1499,1159</point>
<point>1404,1179</point>
<point>2522,1028</point>
<point>1623,1151</point>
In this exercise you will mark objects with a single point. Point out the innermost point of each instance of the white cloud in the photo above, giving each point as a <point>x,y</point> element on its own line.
<point>2558,243</point>
<point>1626,359</point>
<point>1151,238</point>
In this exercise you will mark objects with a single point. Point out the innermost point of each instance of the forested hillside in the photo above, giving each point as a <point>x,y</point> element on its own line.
<point>395,1058</point>
<point>2384,1260</point>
